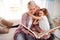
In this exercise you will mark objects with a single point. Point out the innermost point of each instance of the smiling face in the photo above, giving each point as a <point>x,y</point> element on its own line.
<point>32,9</point>
<point>41,13</point>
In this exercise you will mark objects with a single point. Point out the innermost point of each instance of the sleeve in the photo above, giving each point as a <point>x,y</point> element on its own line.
<point>47,24</point>
<point>24,19</point>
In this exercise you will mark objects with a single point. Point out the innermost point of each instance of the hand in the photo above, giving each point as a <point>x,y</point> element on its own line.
<point>46,36</point>
<point>35,22</point>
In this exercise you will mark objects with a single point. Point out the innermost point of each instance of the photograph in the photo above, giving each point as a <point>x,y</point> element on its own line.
<point>29,19</point>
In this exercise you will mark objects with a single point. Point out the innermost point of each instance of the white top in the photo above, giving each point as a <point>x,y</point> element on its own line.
<point>30,22</point>
<point>44,24</point>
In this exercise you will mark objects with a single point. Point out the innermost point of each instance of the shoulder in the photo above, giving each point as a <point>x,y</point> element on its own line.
<point>25,14</point>
<point>44,17</point>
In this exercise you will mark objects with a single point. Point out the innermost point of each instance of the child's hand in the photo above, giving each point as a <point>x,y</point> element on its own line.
<point>35,22</point>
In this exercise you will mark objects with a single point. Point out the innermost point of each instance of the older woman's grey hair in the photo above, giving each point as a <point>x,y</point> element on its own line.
<point>32,3</point>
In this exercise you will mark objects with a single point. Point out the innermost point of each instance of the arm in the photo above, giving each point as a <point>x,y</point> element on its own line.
<point>35,17</point>
<point>24,18</point>
<point>23,21</point>
<point>35,21</point>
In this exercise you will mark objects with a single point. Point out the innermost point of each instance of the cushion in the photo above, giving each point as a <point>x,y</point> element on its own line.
<point>3,29</point>
<point>6,23</point>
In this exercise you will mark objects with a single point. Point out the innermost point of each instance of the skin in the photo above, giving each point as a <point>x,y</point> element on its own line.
<point>40,15</point>
<point>31,9</point>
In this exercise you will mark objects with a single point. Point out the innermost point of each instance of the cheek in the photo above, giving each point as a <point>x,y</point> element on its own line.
<point>40,14</point>
<point>34,10</point>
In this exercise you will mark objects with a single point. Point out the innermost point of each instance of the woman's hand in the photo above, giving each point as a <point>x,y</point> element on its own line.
<point>35,22</point>
<point>27,32</point>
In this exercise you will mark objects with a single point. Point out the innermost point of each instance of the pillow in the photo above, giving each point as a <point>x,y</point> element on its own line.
<point>3,29</point>
<point>6,23</point>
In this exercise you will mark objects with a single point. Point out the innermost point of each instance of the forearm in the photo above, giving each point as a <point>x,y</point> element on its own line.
<point>35,22</point>
<point>35,17</point>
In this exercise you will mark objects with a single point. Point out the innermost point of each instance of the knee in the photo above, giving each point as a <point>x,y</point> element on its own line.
<point>20,37</point>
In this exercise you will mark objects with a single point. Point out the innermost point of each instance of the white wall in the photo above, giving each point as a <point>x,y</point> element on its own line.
<point>10,9</point>
<point>57,8</point>
<point>57,14</point>
<point>53,8</point>
<point>50,7</point>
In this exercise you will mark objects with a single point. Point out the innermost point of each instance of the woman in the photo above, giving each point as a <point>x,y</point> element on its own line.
<point>21,33</point>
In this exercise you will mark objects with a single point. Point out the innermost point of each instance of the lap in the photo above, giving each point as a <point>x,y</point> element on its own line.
<point>29,37</point>
<point>23,36</point>
<point>20,36</point>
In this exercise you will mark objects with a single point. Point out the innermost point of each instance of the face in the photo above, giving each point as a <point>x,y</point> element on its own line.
<point>31,9</point>
<point>41,13</point>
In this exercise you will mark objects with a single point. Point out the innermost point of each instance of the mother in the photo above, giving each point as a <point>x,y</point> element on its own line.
<point>21,33</point>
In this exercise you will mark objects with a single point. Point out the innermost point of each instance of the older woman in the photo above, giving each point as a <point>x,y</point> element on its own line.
<point>27,20</point>
<point>21,33</point>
